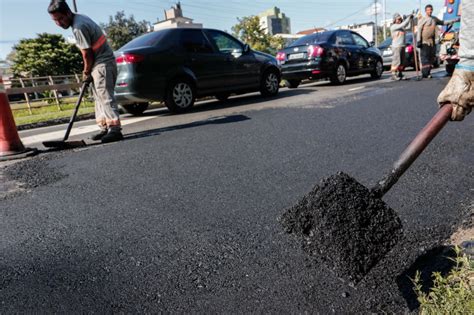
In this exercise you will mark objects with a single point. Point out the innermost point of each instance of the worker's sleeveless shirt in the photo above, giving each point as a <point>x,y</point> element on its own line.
<point>89,35</point>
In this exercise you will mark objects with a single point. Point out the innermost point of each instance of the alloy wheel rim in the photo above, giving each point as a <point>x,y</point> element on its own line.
<point>182,95</point>
<point>272,83</point>
<point>379,68</point>
<point>341,73</point>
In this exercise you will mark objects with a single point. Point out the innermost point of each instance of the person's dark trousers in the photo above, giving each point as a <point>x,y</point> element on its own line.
<point>427,58</point>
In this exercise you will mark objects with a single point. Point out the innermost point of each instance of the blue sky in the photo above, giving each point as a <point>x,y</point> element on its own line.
<point>25,18</point>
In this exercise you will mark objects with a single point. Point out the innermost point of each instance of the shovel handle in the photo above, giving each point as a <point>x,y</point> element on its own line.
<point>84,87</point>
<point>414,150</point>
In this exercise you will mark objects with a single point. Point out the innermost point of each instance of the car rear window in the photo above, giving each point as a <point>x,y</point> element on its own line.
<point>147,40</point>
<point>311,39</point>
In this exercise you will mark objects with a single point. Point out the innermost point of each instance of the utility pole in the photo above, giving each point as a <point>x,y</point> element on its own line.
<point>384,19</point>
<point>75,6</point>
<point>376,24</point>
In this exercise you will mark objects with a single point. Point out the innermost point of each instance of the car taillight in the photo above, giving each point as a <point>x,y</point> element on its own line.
<point>409,49</point>
<point>315,51</point>
<point>130,58</point>
<point>281,56</point>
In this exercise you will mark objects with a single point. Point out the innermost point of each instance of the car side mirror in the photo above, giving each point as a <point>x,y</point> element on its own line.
<point>246,48</point>
<point>372,44</point>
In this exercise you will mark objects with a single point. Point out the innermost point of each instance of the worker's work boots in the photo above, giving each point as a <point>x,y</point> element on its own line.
<point>98,136</point>
<point>112,136</point>
<point>395,76</point>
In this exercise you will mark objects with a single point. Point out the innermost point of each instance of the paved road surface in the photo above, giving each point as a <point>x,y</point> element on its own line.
<point>182,216</point>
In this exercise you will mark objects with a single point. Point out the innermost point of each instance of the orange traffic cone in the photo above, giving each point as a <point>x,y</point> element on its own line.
<point>10,143</point>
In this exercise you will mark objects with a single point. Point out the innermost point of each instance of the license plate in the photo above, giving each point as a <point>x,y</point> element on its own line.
<point>296,56</point>
<point>387,52</point>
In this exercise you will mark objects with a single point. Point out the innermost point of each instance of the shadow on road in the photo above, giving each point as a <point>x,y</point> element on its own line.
<point>213,121</point>
<point>438,259</point>
<point>240,100</point>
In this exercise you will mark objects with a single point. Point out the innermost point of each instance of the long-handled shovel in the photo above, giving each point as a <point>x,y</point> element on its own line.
<point>64,144</point>
<point>415,51</point>
<point>347,226</point>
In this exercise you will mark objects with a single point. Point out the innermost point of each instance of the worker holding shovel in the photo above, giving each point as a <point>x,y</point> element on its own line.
<point>100,67</point>
<point>398,30</point>
<point>426,41</point>
<point>460,89</point>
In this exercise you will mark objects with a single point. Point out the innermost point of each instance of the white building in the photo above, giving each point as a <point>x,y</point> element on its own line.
<point>273,21</point>
<point>174,19</point>
<point>366,30</point>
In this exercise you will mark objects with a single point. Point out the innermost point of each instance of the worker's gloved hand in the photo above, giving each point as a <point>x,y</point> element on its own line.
<point>460,93</point>
<point>87,78</point>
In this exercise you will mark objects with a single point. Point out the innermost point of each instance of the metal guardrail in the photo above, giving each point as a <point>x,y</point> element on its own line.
<point>41,91</point>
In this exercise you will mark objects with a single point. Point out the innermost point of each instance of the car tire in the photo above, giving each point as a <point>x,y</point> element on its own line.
<point>135,109</point>
<point>180,95</point>
<point>293,84</point>
<point>339,74</point>
<point>450,68</point>
<point>378,70</point>
<point>270,84</point>
<point>222,97</point>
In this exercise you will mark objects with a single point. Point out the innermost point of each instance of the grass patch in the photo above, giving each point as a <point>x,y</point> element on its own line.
<point>450,294</point>
<point>50,112</point>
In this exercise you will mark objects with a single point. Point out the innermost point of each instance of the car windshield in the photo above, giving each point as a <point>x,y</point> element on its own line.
<point>147,40</point>
<point>311,39</point>
<point>388,41</point>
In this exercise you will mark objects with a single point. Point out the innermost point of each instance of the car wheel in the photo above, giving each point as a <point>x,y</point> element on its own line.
<point>293,84</point>
<point>339,75</point>
<point>270,83</point>
<point>135,109</point>
<point>222,96</point>
<point>180,96</point>
<point>378,71</point>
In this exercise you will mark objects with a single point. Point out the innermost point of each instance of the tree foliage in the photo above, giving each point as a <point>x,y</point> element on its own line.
<point>249,30</point>
<point>120,29</point>
<point>48,54</point>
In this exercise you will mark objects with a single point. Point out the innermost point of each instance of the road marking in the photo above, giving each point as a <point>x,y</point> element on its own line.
<point>76,131</point>
<point>357,88</point>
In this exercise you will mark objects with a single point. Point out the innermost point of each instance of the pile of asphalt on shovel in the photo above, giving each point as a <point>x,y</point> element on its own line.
<point>344,226</point>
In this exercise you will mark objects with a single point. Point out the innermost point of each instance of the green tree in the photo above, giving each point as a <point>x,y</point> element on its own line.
<point>48,54</point>
<point>249,30</point>
<point>120,29</point>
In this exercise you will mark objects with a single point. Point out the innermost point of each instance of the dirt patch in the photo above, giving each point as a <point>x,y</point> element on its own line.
<point>342,225</point>
<point>32,173</point>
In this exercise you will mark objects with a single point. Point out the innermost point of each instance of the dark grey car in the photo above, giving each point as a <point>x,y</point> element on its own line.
<point>179,65</point>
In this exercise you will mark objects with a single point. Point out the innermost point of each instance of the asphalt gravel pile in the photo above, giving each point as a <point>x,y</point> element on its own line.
<point>33,173</point>
<point>342,225</point>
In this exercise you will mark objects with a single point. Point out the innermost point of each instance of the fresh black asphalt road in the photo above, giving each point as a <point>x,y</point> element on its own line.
<point>184,218</point>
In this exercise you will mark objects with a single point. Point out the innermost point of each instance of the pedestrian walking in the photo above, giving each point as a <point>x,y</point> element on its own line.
<point>398,32</point>
<point>100,68</point>
<point>426,39</point>
<point>460,90</point>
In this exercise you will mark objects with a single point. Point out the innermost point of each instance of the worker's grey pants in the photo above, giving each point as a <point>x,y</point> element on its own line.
<point>106,107</point>
<point>398,59</point>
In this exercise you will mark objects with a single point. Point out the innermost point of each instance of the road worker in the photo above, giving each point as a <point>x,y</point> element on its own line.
<point>398,31</point>
<point>100,68</point>
<point>460,90</point>
<point>426,39</point>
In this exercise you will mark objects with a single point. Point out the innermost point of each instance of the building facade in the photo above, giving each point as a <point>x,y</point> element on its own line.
<point>273,21</point>
<point>174,19</point>
<point>366,30</point>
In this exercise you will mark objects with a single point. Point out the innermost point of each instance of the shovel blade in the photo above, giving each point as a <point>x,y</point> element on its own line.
<point>62,145</point>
